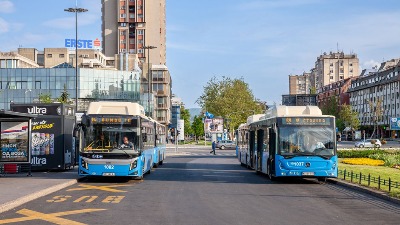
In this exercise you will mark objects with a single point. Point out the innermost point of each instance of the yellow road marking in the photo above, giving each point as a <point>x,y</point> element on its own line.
<point>113,199</point>
<point>59,198</point>
<point>109,188</point>
<point>90,198</point>
<point>52,217</point>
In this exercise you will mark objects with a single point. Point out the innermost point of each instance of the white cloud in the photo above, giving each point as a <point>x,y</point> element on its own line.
<point>4,26</point>
<point>370,64</point>
<point>6,6</point>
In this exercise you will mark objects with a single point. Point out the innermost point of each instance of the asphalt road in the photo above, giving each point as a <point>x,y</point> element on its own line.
<point>194,187</point>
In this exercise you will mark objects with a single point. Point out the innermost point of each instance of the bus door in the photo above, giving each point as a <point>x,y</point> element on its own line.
<point>272,150</point>
<point>260,142</point>
<point>252,148</point>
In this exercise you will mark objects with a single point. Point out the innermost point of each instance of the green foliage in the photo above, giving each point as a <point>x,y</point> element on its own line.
<point>330,107</point>
<point>357,153</point>
<point>389,159</point>
<point>64,98</point>
<point>198,126</point>
<point>45,98</point>
<point>185,116</point>
<point>229,98</point>
<point>313,90</point>
<point>349,117</point>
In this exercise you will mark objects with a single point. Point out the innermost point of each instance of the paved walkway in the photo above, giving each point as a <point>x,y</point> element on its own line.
<point>17,189</point>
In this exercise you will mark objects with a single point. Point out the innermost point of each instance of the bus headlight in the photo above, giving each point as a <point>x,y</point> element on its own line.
<point>84,164</point>
<point>334,166</point>
<point>133,165</point>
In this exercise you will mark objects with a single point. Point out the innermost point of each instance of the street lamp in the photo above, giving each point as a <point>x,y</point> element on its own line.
<point>76,10</point>
<point>148,77</point>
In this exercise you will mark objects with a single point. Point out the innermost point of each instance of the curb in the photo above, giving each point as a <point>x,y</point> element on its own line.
<point>373,192</point>
<point>25,199</point>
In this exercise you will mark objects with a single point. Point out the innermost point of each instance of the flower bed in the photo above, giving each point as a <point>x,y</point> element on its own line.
<point>363,161</point>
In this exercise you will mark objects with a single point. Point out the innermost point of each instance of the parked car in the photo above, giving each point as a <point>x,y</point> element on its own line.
<point>226,144</point>
<point>368,143</point>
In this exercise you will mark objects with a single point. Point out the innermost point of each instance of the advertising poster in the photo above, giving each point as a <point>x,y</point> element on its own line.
<point>14,142</point>
<point>45,133</point>
<point>215,125</point>
<point>395,123</point>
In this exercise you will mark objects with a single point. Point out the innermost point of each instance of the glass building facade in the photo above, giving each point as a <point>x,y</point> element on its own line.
<point>24,85</point>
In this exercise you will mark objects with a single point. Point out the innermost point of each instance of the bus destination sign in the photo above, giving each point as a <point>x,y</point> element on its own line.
<point>110,120</point>
<point>306,121</point>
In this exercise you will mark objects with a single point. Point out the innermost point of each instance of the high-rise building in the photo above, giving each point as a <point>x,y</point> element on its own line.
<point>299,84</point>
<point>129,26</point>
<point>333,67</point>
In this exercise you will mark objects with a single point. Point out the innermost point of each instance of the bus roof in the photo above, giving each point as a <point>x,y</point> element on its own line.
<point>115,108</point>
<point>254,118</point>
<point>283,111</point>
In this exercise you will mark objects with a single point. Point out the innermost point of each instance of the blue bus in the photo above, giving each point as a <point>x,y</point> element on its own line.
<point>160,144</point>
<point>116,139</point>
<point>292,141</point>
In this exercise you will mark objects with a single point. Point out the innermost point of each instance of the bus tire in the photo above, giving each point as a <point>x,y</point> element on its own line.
<point>161,162</point>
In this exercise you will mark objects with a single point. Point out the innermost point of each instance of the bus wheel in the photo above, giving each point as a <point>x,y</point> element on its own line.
<point>156,165</point>
<point>161,162</point>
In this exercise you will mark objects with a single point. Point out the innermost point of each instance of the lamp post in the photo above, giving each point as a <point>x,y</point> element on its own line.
<point>148,77</point>
<point>76,10</point>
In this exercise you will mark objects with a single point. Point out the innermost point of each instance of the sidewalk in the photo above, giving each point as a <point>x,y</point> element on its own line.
<point>17,189</point>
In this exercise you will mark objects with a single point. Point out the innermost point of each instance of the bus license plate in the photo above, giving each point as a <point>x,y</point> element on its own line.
<point>308,174</point>
<point>108,174</point>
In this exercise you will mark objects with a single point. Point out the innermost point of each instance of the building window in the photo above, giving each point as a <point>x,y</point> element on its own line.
<point>123,24</point>
<point>341,77</point>
<point>331,77</point>
<point>140,16</point>
<point>140,32</point>
<point>132,15</point>
<point>122,33</point>
<point>123,7</point>
<point>123,15</point>
<point>49,55</point>
<point>62,56</point>
<point>140,50</point>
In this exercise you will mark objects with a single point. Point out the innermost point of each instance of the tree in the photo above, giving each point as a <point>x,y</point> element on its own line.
<point>330,107</point>
<point>64,98</point>
<point>229,98</point>
<point>349,117</point>
<point>376,112</point>
<point>313,90</point>
<point>198,126</point>
<point>45,98</point>
<point>185,116</point>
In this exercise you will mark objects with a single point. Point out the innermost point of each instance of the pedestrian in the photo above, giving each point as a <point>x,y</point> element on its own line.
<point>213,147</point>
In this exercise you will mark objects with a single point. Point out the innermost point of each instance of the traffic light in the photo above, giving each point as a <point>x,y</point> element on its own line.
<point>178,132</point>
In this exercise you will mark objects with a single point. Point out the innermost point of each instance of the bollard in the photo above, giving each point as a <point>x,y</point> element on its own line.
<point>344,176</point>
<point>369,179</point>
<point>351,176</point>
<point>379,182</point>
<point>390,184</point>
<point>360,177</point>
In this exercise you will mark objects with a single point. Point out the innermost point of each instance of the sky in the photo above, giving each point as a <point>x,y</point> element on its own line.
<point>259,41</point>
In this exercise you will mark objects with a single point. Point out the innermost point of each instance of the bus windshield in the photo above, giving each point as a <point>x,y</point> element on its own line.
<point>112,138</point>
<point>306,140</point>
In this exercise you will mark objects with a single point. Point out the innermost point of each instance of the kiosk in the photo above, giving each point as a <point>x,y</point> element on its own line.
<point>15,141</point>
<point>52,145</point>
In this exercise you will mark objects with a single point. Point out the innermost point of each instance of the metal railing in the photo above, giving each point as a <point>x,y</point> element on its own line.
<point>368,180</point>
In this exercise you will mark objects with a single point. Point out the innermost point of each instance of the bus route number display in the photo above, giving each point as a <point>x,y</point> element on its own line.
<point>305,121</point>
<point>110,120</point>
